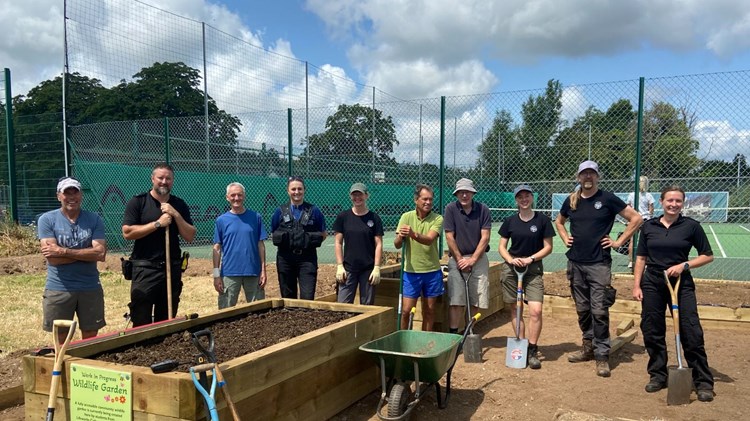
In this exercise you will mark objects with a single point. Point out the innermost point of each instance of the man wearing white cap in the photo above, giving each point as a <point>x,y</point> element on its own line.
<point>72,241</point>
<point>592,213</point>
<point>467,225</point>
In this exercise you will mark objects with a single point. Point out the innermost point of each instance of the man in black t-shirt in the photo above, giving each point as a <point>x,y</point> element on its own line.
<point>145,219</point>
<point>592,213</point>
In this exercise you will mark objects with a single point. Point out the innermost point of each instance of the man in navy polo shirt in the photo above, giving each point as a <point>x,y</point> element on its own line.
<point>467,225</point>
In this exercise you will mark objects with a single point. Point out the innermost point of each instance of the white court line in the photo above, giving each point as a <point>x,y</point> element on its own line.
<point>748,230</point>
<point>716,238</point>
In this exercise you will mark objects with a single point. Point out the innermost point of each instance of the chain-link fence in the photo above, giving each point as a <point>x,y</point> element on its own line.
<point>498,140</point>
<point>129,62</point>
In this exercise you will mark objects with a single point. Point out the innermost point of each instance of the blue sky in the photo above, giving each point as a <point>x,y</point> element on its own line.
<point>509,45</point>
<point>411,48</point>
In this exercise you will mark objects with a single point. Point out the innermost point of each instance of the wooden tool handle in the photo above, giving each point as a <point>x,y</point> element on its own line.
<point>59,358</point>
<point>225,391</point>
<point>675,301</point>
<point>169,274</point>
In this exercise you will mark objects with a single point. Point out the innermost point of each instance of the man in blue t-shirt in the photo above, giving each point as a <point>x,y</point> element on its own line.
<point>592,213</point>
<point>72,240</point>
<point>239,251</point>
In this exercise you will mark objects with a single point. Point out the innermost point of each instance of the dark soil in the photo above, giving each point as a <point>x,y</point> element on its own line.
<point>232,338</point>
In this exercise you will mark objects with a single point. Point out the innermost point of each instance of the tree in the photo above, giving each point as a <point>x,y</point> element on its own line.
<point>540,127</point>
<point>669,151</point>
<point>170,90</point>
<point>351,135</point>
<point>500,152</point>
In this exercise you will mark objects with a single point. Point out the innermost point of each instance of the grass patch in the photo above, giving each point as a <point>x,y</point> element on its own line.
<point>22,311</point>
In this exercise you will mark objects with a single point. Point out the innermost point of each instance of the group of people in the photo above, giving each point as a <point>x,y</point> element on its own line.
<point>72,241</point>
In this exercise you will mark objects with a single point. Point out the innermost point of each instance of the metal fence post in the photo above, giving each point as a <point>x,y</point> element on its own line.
<point>12,199</point>
<point>289,140</point>
<point>167,147</point>
<point>638,146</point>
<point>441,171</point>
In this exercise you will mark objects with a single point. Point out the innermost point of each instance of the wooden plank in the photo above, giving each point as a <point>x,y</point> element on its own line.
<point>11,396</point>
<point>624,325</point>
<point>622,339</point>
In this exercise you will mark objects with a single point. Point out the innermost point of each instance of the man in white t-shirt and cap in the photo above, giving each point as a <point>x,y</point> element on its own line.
<point>467,224</point>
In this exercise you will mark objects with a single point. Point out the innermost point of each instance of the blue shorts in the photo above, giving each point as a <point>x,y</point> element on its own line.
<point>429,284</point>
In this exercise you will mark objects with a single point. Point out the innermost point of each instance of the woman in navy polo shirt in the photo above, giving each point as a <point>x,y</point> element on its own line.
<point>665,245</point>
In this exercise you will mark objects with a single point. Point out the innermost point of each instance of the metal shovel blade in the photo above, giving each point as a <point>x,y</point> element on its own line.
<point>679,385</point>
<point>516,353</point>
<point>473,348</point>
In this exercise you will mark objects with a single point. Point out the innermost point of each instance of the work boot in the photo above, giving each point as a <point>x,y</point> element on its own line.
<point>705,395</point>
<point>602,368</point>
<point>586,353</point>
<point>532,360</point>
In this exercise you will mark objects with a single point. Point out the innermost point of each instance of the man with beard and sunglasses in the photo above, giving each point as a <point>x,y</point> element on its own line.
<point>146,217</point>
<point>592,213</point>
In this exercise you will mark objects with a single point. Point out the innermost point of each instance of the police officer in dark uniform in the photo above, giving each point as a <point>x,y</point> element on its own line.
<point>665,244</point>
<point>298,229</point>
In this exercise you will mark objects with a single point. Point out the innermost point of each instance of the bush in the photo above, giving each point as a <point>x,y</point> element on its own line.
<point>17,240</point>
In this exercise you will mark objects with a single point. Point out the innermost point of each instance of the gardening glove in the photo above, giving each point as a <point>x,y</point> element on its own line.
<point>375,276</point>
<point>340,274</point>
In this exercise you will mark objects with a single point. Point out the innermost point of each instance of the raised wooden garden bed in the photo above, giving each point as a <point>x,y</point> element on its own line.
<point>310,377</point>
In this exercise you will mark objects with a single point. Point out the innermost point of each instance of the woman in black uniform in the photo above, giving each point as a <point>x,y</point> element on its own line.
<point>665,244</point>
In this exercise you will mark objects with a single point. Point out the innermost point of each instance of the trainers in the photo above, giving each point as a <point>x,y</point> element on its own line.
<point>655,386</point>
<point>602,368</point>
<point>705,395</point>
<point>533,361</point>
<point>586,353</point>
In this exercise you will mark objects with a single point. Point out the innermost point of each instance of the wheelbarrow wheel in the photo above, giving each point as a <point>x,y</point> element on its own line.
<point>398,399</point>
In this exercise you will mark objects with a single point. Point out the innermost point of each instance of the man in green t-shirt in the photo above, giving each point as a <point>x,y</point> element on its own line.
<point>418,231</point>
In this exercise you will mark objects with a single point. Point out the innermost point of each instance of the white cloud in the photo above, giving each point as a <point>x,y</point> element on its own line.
<point>32,42</point>
<point>394,40</point>
<point>719,140</point>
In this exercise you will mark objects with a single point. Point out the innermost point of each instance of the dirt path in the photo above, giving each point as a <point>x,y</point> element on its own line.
<point>491,391</point>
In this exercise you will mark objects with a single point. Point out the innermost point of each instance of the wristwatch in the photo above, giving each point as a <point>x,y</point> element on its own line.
<point>157,224</point>
<point>533,259</point>
<point>686,266</point>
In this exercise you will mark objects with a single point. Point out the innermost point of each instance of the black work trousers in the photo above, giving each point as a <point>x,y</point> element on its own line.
<point>148,293</point>
<point>294,269</point>
<point>654,325</point>
<point>588,282</point>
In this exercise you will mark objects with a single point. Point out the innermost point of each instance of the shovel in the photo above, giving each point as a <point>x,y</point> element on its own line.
<point>207,350</point>
<point>680,381</point>
<point>473,342</point>
<point>517,349</point>
<point>58,365</point>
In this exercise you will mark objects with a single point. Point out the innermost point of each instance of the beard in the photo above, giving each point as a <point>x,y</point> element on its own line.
<point>162,191</point>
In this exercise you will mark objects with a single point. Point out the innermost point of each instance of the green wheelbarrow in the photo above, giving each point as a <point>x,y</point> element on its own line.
<point>407,356</point>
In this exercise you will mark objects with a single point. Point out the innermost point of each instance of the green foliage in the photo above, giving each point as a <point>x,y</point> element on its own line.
<point>354,133</point>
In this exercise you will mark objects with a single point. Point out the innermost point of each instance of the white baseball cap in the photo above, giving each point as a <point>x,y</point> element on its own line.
<point>67,183</point>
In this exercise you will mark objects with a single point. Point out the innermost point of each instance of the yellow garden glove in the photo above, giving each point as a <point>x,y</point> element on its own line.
<point>340,274</point>
<point>375,276</point>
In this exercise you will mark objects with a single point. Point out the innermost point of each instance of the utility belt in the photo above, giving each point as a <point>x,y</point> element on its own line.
<point>153,264</point>
<point>129,264</point>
